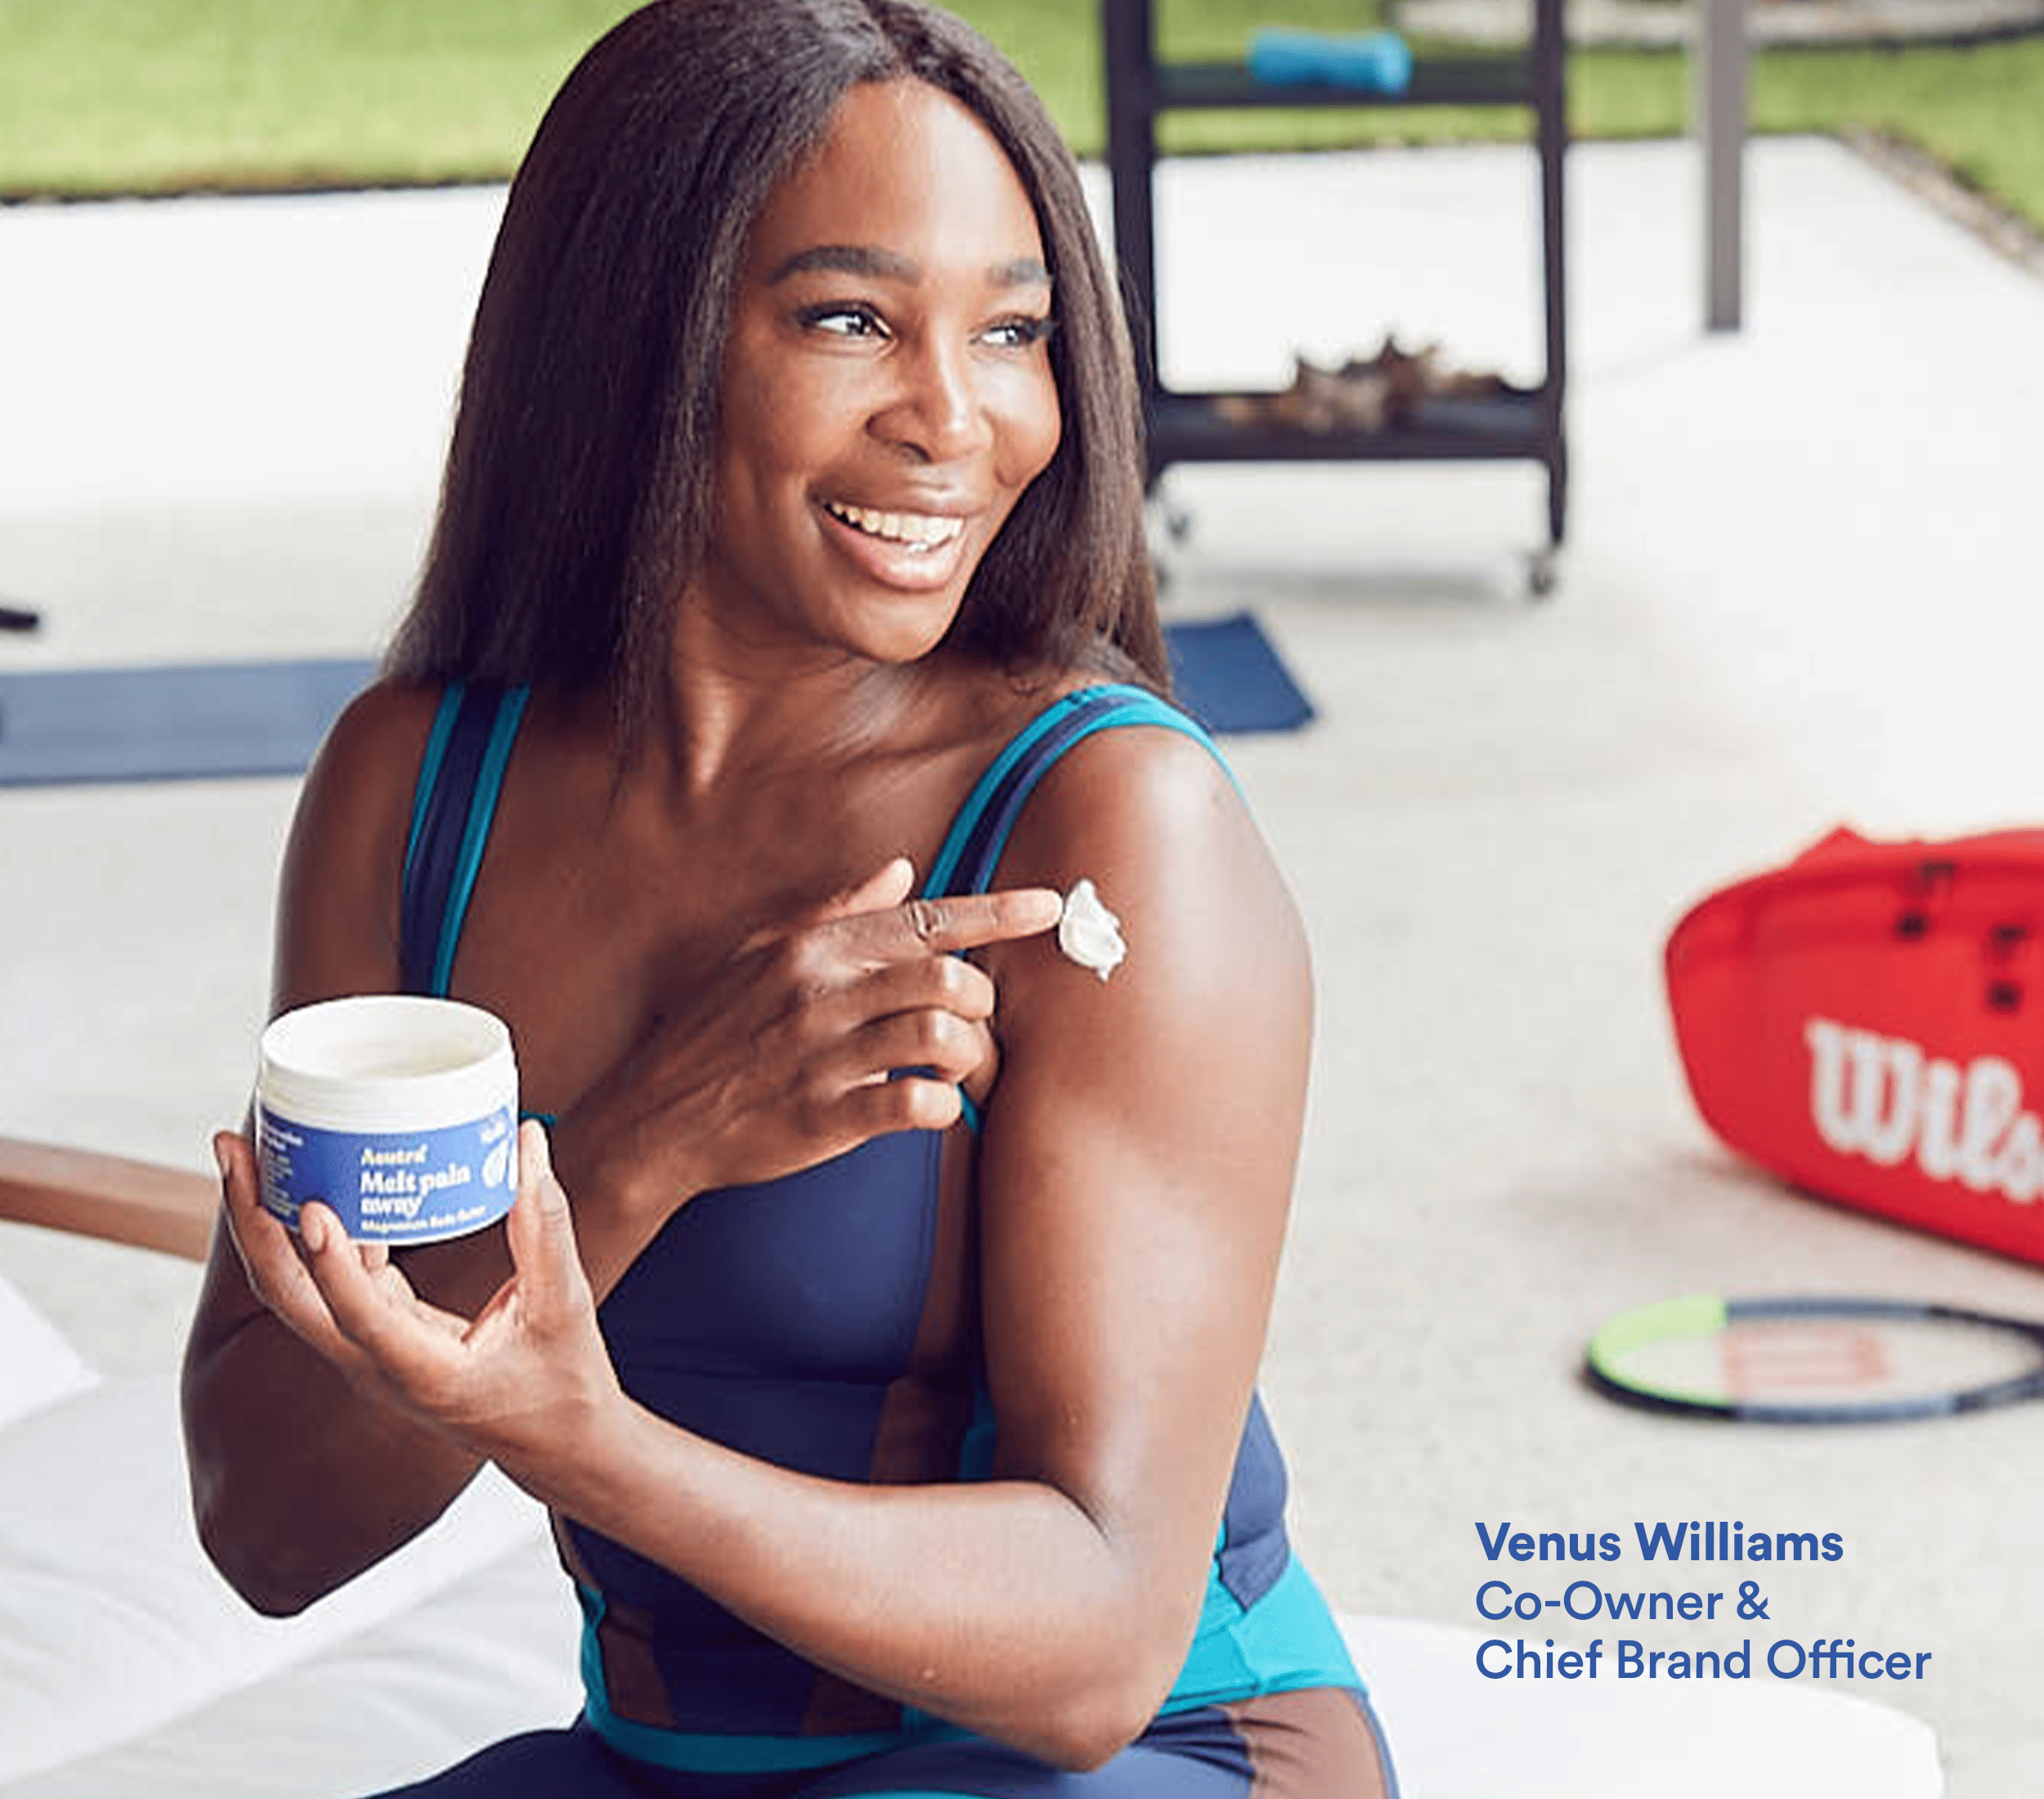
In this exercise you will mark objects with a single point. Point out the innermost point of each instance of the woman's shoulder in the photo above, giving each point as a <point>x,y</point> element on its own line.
<point>1116,755</point>
<point>1014,705</point>
<point>355,810</point>
<point>372,751</point>
<point>1146,808</point>
<point>337,899</point>
<point>1054,746</point>
<point>1148,812</point>
<point>388,711</point>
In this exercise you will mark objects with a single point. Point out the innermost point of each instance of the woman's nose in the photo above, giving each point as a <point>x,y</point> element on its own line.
<point>939,411</point>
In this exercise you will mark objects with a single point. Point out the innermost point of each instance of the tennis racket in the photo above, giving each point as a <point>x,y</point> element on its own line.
<point>1816,1361</point>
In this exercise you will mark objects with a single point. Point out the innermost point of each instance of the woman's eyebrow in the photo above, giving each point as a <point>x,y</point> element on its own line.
<point>848,259</point>
<point>870,259</point>
<point>1024,271</point>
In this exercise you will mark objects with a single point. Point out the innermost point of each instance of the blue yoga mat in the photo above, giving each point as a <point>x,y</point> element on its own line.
<point>182,723</point>
<point>213,720</point>
<point>1230,679</point>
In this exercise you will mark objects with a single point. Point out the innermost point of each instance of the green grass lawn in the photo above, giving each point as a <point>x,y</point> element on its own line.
<point>101,96</point>
<point>154,95</point>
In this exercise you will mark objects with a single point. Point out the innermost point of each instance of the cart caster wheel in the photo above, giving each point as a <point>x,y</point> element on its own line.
<point>1166,527</point>
<point>1542,572</point>
<point>1167,519</point>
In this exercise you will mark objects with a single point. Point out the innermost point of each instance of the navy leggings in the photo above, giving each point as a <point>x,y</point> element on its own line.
<point>1323,1743</point>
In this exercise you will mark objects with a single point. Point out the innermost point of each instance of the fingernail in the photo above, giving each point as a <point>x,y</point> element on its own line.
<point>220,1156</point>
<point>313,1229</point>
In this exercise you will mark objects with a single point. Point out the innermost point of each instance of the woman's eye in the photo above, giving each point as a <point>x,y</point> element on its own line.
<point>841,321</point>
<point>1020,334</point>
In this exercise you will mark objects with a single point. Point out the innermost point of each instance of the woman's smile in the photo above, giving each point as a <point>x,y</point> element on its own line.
<point>916,552</point>
<point>918,530</point>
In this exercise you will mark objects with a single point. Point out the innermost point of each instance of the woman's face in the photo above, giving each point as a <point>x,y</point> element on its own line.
<point>886,392</point>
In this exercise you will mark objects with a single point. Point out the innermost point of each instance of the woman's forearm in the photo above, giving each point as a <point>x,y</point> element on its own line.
<point>1000,1606</point>
<point>300,1478</point>
<point>297,1482</point>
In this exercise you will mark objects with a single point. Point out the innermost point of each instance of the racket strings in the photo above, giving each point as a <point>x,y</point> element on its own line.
<point>1815,1361</point>
<point>1759,1360</point>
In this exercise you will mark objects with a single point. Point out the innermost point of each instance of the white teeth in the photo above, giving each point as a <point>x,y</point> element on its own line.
<point>919,531</point>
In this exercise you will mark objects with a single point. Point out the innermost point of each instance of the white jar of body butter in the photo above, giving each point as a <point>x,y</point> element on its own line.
<point>400,1113</point>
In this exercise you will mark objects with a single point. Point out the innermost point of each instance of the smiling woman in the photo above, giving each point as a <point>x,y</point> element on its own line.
<point>880,1312</point>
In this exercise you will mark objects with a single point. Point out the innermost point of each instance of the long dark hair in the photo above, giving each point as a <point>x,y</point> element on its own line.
<point>576,503</point>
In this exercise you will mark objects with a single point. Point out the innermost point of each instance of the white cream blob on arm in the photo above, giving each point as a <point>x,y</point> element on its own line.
<point>1089,934</point>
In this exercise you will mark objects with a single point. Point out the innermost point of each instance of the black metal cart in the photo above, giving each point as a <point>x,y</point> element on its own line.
<point>1519,424</point>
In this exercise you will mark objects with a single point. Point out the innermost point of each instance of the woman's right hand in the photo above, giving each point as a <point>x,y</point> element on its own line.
<point>796,1052</point>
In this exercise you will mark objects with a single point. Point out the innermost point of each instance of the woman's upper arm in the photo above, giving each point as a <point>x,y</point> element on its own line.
<point>337,894</point>
<point>338,897</point>
<point>1138,1154</point>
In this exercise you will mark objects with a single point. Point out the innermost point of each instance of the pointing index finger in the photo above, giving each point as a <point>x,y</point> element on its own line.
<point>965,921</point>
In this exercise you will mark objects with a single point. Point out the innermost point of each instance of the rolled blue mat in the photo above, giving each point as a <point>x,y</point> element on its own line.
<point>1374,61</point>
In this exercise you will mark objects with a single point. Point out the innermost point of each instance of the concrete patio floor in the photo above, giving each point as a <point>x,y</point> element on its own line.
<point>1805,585</point>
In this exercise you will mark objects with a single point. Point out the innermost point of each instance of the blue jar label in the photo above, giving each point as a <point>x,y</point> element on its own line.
<point>392,1187</point>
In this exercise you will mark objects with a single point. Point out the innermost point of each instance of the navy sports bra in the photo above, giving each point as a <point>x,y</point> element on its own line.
<point>827,1321</point>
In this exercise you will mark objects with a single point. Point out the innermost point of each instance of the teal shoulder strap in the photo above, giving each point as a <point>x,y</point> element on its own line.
<point>972,847</point>
<point>460,779</point>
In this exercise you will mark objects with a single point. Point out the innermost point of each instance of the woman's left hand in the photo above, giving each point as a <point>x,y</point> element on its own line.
<point>524,1380</point>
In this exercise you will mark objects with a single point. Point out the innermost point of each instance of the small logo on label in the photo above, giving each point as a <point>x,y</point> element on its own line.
<point>1885,1099</point>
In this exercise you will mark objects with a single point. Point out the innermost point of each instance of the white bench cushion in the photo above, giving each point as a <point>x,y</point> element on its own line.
<point>37,1366</point>
<point>112,1621</point>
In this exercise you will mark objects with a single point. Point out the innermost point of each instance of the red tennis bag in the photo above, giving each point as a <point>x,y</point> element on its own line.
<point>1868,1022</point>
